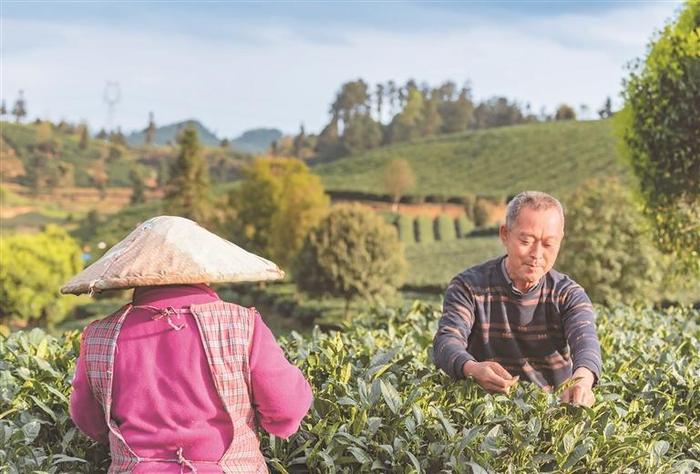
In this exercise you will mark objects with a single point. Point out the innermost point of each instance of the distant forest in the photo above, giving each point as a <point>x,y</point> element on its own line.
<point>362,117</point>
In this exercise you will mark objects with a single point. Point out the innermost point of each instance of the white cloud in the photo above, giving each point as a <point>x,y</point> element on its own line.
<point>280,77</point>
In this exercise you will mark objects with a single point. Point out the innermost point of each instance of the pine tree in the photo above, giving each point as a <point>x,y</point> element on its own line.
<point>84,137</point>
<point>606,110</point>
<point>187,192</point>
<point>20,108</point>
<point>150,130</point>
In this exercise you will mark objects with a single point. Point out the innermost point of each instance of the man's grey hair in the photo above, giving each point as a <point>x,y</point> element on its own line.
<point>534,200</point>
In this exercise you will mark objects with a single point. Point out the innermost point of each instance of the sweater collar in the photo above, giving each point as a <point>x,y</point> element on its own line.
<point>516,291</point>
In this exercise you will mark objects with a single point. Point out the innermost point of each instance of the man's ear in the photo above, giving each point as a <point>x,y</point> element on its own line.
<point>503,233</point>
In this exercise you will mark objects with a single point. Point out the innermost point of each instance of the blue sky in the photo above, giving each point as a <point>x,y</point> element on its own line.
<point>239,65</point>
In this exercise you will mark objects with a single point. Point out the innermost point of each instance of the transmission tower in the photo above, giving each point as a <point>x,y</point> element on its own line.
<point>112,95</point>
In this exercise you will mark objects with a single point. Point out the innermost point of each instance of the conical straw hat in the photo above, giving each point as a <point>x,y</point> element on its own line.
<point>167,250</point>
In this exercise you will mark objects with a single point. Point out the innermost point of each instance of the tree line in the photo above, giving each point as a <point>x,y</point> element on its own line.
<point>363,117</point>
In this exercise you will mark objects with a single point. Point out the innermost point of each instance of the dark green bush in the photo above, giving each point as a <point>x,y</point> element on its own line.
<point>445,228</point>
<point>423,226</point>
<point>404,224</point>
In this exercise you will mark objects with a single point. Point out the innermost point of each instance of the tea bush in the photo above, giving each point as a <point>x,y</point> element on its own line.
<point>445,229</point>
<point>380,404</point>
<point>424,229</point>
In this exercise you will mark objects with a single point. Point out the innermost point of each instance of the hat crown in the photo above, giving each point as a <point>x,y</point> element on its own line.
<point>167,250</point>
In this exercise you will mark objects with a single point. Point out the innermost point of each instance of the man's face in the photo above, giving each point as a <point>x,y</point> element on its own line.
<point>532,244</point>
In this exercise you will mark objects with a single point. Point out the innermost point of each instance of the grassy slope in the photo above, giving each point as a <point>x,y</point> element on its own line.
<point>553,157</point>
<point>435,264</point>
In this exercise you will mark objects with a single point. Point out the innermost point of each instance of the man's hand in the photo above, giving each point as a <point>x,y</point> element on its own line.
<point>581,392</point>
<point>490,375</point>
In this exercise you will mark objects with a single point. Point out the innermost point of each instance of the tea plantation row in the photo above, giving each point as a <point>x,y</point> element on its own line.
<point>381,405</point>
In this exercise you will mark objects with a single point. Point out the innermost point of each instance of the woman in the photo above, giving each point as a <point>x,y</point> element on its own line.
<point>178,380</point>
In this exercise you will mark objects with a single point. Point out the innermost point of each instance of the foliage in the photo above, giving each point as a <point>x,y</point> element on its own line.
<point>565,112</point>
<point>380,404</point>
<point>607,248</point>
<point>277,203</point>
<point>404,225</point>
<point>424,229</point>
<point>398,178</point>
<point>352,253</point>
<point>187,192</point>
<point>445,228</point>
<point>406,125</point>
<point>34,267</point>
<point>464,226</point>
<point>36,432</point>
<point>433,265</point>
<point>661,123</point>
<point>553,157</point>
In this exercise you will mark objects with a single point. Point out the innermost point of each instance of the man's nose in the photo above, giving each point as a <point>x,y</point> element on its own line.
<point>537,251</point>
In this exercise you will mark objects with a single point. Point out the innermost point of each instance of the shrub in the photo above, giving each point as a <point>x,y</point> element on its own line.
<point>34,267</point>
<point>352,253</point>
<point>423,226</point>
<point>445,228</point>
<point>275,206</point>
<point>380,403</point>
<point>660,125</point>
<point>463,226</point>
<point>608,248</point>
<point>404,225</point>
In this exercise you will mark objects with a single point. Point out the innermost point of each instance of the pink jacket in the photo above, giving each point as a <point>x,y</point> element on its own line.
<point>163,391</point>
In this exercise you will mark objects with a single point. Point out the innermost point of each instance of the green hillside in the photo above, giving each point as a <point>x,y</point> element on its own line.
<point>167,134</point>
<point>553,157</point>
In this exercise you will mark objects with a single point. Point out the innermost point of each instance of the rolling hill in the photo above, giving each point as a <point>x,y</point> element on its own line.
<point>167,134</point>
<point>253,141</point>
<point>554,157</point>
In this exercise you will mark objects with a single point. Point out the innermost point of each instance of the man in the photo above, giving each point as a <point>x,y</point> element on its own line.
<point>515,316</point>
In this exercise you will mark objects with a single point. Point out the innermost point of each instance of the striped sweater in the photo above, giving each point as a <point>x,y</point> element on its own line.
<point>543,335</point>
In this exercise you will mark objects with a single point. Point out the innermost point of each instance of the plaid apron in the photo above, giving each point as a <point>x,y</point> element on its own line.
<point>226,330</point>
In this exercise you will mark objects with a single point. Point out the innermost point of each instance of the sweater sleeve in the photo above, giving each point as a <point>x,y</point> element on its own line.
<point>578,319</point>
<point>281,394</point>
<point>85,411</point>
<point>452,338</point>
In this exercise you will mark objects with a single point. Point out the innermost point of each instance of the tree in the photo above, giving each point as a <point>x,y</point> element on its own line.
<point>606,111</point>
<point>276,204</point>
<point>187,192</point>
<point>20,108</point>
<point>102,134</point>
<point>407,124</point>
<point>660,124</point>
<point>361,133</point>
<point>225,143</point>
<point>300,144</point>
<point>34,267</point>
<point>608,248</point>
<point>379,95</point>
<point>328,143</point>
<point>150,132</point>
<point>84,136</point>
<point>457,115</point>
<point>117,138</point>
<point>352,253</point>
<point>3,109</point>
<point>398,178</point>
<point>565,112</point>
<point>497,112</point>
<point>138,186</point>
